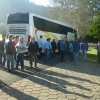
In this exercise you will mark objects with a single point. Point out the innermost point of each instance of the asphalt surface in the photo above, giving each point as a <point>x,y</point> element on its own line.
<point>10,78</point>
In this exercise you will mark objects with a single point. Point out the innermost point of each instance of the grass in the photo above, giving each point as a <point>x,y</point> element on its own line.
<point>91,55</point>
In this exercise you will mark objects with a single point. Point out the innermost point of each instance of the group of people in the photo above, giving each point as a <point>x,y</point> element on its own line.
<point>14,48</point>
<point>73,48</point>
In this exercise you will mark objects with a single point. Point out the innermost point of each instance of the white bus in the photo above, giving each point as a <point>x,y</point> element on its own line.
<point>29,25</point>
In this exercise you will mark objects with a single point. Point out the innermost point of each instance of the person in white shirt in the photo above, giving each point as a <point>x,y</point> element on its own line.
<point>41,44</point>
<point>20,49</point>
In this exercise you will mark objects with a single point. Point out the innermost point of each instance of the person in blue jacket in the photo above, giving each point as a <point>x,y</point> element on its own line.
<point>71,51</point>
<point>84,49</point>
<point>76,48</point>
<point>63,48</point>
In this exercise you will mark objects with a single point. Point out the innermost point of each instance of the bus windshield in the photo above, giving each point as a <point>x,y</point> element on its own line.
<point>18,18</point>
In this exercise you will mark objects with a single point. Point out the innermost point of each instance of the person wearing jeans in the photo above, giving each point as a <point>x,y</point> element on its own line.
<point>76,48</point>
<point>2,49</point>
<point>71,51</point>
<point>47,54</point>
<point>83,54</point>
<point>47,48</point>
<point>63,48</point>
<point>20,49</point>
<point>10,54</point>
<point>10,58</point>
<point>83,48</point>
<point>75,56</point>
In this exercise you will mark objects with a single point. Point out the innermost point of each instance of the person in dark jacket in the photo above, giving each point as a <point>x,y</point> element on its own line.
<point>54,47</point>
<point>63,48</point>
<point>87,46</point>
<point>58,46</point>
<point>2,51</point>
<point>33,51</point>
<point>10,53</point>
<point>76,48</point>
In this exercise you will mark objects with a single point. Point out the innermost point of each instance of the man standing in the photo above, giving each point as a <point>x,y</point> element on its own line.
<point>15,41</point>
<point>87,46</point>
<point>10,54</point>
<point>71,51</point>
<point>40,43</point>
<point>20,49</point>
<point>84,49</point>
<point>63,48</point>
<point>54,47</point>
<point>58,46</point>
<point>33,50</point>
<point>98,51</point>
<point>47,48</point>
<point>2,49</point>
<point>76,48</point>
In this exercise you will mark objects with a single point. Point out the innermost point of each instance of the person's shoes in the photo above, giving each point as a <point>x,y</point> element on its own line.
<point>36,67</point>
<point>22,70</point>
<point>3,66</point>
<point>30,66</point>
<point>9,71</point>
<point>13,71</point>
<point>16,68</point>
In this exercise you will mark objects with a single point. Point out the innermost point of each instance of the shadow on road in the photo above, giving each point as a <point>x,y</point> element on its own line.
<point>15,93</point>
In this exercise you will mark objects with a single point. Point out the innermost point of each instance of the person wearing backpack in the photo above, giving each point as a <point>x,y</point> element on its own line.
<point>2,51</point>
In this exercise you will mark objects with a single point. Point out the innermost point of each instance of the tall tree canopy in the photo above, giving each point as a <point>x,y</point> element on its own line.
<point>95,29</point>
<point>79,13</point>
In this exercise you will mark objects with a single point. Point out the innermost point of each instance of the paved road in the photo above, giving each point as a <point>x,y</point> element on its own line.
<point>62,81</point>
<point>11,78</point>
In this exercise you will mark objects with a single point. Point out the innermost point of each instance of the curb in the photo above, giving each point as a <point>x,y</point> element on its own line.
<point>89,60</point>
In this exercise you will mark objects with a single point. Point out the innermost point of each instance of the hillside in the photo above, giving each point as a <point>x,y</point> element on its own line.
<point>10,6</point>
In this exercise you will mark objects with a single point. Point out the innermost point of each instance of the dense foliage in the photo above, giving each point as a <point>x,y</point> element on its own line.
<point>94,30</point>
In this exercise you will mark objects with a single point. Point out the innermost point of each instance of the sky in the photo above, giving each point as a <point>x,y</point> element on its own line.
<point>40,2</point>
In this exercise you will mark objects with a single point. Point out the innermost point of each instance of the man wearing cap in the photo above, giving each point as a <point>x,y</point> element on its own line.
<point>2,49</point>
<point>40,43</point>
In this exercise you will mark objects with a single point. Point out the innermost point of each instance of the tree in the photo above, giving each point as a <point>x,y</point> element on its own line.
<point>95,29</point>
<point>74,12</point>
